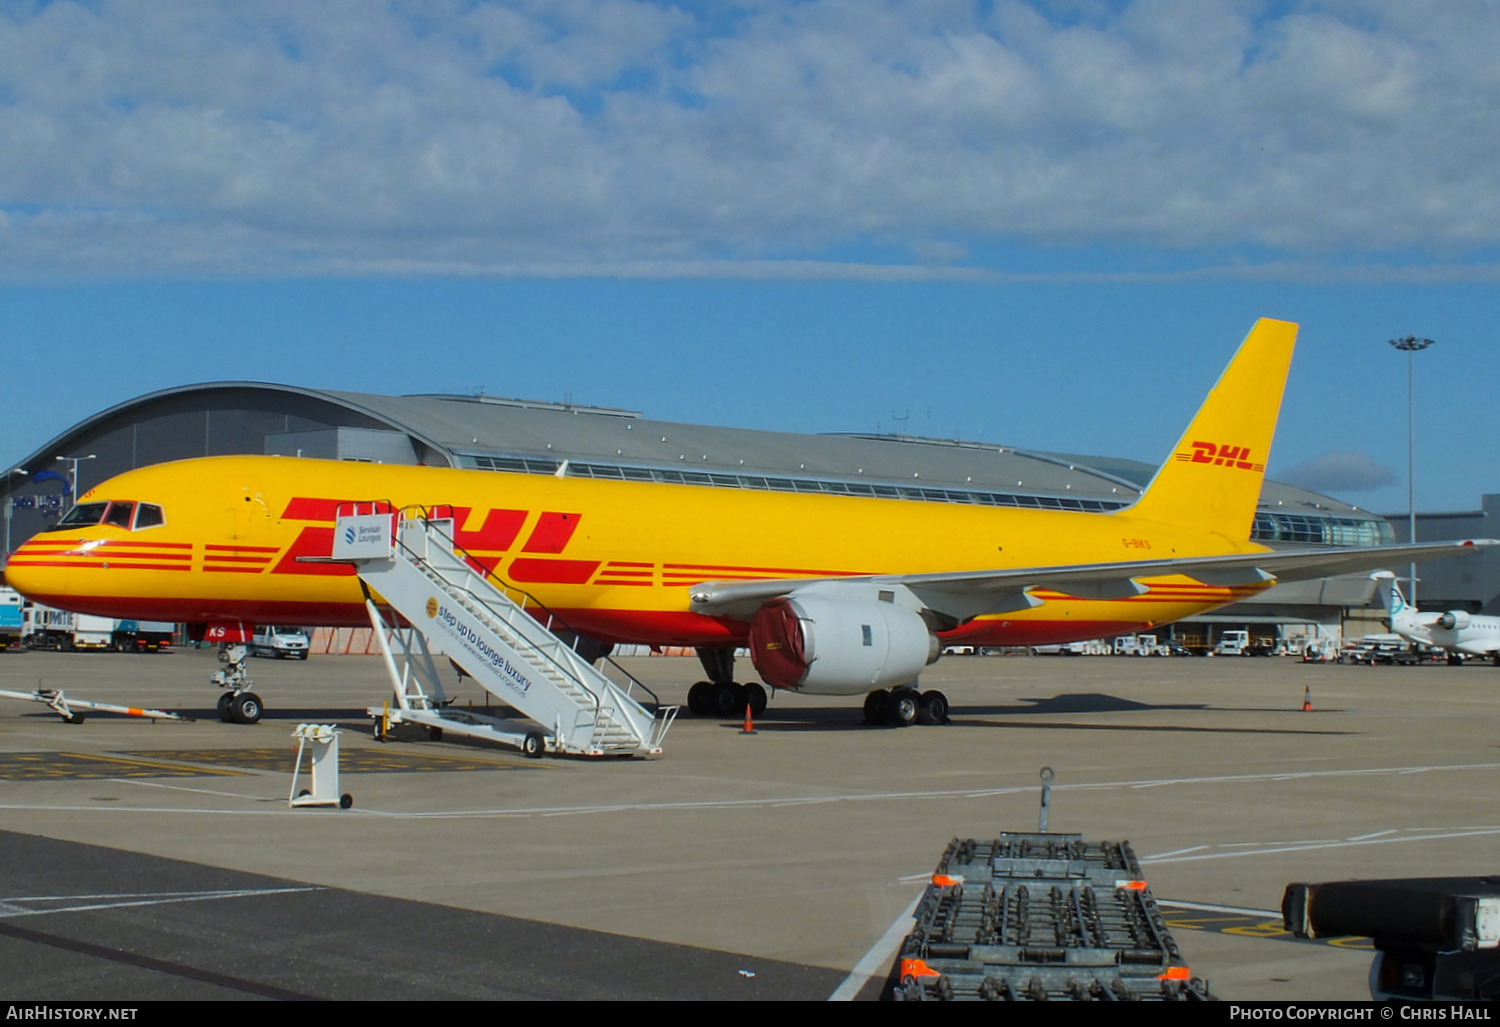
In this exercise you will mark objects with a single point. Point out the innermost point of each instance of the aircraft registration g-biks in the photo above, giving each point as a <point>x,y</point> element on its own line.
<point>834,595</point>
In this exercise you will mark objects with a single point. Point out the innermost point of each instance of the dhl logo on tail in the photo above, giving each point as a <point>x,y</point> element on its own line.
<point>1221,455</point>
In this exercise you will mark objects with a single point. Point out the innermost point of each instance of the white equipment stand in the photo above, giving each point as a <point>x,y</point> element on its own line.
<point>323,740</point>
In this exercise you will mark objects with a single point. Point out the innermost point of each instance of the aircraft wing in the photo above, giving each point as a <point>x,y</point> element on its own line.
<point>965,594</point>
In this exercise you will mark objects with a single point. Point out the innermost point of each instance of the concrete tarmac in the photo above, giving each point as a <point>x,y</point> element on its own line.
<point>157,860</point>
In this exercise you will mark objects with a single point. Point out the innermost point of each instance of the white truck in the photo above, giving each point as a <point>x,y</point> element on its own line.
<point>42,627</point>
<point>1240,643</point>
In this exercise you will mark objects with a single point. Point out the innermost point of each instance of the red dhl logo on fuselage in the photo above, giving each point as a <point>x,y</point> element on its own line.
<point>496,534</point>
<point>1224,455</point>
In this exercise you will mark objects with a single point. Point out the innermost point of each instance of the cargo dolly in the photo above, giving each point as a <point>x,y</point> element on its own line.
<point>1041,917</point>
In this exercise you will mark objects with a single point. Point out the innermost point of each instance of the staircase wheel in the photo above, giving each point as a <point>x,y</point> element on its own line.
<point>533,746</point>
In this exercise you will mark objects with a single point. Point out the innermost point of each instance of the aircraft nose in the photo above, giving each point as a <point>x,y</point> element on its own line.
<point>32,574</point>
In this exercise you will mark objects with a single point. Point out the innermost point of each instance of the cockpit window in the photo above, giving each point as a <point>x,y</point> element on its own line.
<point>122,513</point>
<point>84,515</point>
<point>119,514</point>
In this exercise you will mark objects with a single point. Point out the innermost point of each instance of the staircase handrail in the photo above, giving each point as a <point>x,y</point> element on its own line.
<point>504,586</point>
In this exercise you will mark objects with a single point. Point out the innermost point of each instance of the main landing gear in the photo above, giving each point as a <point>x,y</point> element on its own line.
<point>726,699</point>
<point>721,696</point>
<point>902,707</point>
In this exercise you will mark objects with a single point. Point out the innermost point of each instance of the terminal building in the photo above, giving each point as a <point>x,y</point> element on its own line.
<point>484,433</point>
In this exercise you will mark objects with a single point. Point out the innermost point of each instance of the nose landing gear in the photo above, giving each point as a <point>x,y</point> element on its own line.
<point>238,705</point>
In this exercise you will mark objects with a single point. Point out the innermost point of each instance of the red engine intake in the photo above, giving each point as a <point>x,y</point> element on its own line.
<point>835,646</point>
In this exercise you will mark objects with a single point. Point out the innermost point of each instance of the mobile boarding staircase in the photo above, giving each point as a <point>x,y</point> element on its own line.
<point>451,608</point>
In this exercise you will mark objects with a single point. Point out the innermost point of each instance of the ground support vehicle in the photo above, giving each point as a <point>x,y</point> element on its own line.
<point>10,618</point>
<point>1140,645</point>
<point>1436,938</point>
<point>280,642</point>
<point>1041,917</point>
<point>1320,650</point>
<point>1386,654</point>
<point>145,636</point>
<point>1092,647</point>
<point>1239,643</point>
<point>46,628</point>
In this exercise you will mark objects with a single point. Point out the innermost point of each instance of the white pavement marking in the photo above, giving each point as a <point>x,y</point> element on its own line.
<point>1271,850</point>
<point>16,906</point>
<point>878,960</point>
<point>1177,852</point>
<point>1201,907</point>
<point>774,801</point>
<point>183,788</point>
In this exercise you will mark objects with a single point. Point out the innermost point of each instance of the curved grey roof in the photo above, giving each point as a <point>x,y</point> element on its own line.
<point>481,431</point>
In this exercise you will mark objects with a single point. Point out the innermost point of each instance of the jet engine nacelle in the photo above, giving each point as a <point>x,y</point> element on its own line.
<point>1453,619</point>
<point>839,647</point>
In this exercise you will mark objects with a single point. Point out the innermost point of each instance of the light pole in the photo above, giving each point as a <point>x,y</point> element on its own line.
<point>73,462</point>
<point>1409,345</point>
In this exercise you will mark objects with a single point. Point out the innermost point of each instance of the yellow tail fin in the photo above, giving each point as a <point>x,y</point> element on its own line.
<point>1212,479</point>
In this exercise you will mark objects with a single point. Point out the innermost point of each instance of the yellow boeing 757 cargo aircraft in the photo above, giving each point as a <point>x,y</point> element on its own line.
<point>832,594</point>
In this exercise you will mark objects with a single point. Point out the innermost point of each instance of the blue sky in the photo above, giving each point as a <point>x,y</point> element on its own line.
<point>1045,224</point>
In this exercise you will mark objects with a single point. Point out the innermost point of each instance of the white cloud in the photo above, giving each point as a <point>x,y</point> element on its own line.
<point>1339,472</point>
<point>140,135</point>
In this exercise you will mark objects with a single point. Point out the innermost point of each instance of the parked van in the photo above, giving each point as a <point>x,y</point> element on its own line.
<point>270,640</point>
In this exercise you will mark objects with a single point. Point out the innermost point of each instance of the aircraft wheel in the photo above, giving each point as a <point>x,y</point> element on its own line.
<point>754,696</point>
<point>1455,660</point>
<point>245,708</point>
<point>901,707</point>
<point>434,734</point>
<point>726,700</point>
<point>932,708</point>
<point>224,714</point>
<point>698,699</point>
<point>533,746</point>
<point>874,705</point>
<point>346,801</point>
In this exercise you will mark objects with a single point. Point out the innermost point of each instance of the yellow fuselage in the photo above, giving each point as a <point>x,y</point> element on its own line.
<point>615,560</point>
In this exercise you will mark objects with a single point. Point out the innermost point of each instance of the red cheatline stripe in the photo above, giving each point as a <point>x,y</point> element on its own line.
<point>217,559</point>
<point>669,580</point>
<point>759,570</point>
<point>626,574</point>
<point>244,549</point>
<point>133,544</point>
<point>628,563</point>
<point>115,554</point>
<point>612,581</point>
<point>232,570</point>
<point>113,565</point>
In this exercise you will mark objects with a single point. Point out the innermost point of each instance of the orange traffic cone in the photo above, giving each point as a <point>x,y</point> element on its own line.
<point>749,728</point>
<point>1307,699</point>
